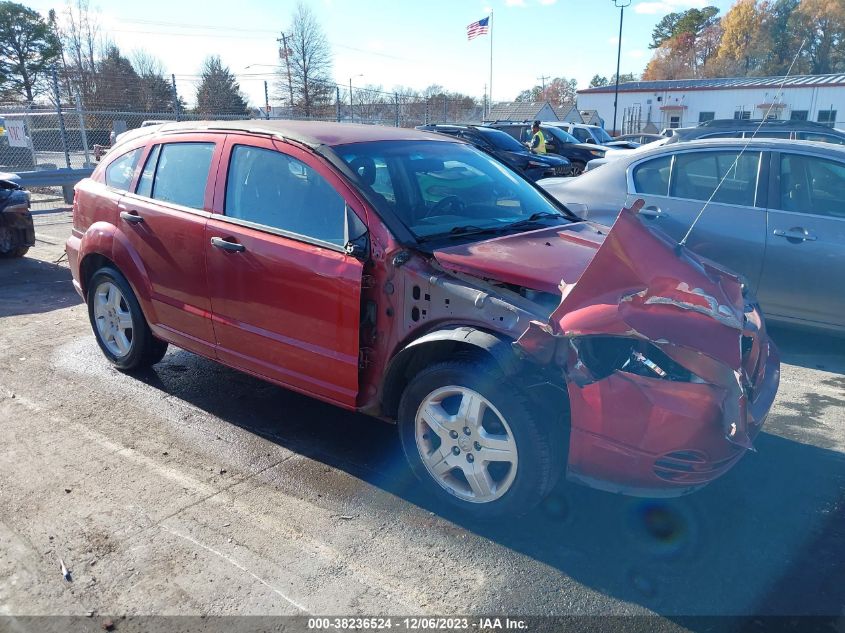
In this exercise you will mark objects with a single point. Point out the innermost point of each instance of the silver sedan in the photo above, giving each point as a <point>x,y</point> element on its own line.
<point>776,214</point>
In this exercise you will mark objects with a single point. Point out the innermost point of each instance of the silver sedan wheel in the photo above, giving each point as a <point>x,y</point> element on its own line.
<point>466,444</point>
<point>113,319</point>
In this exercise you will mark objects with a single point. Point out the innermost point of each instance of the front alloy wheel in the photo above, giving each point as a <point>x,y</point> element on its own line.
<point>475,441</point>
<point>465,444</point>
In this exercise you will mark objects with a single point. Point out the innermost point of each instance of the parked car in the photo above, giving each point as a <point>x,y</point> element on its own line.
<point>641,138</point>
<point>592,134</point>
<point>504,148</point>
<point>778,217</point>
<point>17,231</point>
<point>558,142</point>
<point>733,128</point>
<point>412,277</point>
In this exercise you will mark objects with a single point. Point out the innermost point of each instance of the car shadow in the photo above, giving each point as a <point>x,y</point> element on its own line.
<point>34,286</point>
<point>767,538</point>
<point>810,348</point>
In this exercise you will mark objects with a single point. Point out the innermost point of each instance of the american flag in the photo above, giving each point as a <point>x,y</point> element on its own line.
<point>478,28</point>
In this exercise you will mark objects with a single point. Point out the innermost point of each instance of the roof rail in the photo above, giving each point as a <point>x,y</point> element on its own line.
<point>734,123</point>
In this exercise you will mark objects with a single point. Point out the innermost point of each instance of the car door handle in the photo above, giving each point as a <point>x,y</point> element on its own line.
<point>232,247</point>
<point>796,234</point>
<point>652,213</point>
<point>131,216</point>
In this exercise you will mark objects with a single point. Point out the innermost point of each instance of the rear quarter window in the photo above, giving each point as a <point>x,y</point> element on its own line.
<point>652,177</point>
<point>120,171</point>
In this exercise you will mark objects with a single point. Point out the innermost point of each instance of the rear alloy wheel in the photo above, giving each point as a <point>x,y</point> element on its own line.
<point>474,441</point>
<point>119,324</point>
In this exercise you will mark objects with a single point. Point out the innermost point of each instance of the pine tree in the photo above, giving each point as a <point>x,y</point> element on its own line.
<point>219,93</point>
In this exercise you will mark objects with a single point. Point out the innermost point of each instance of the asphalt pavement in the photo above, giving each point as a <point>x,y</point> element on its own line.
<point>195,489</point>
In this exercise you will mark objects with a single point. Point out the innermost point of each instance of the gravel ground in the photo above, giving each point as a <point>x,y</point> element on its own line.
<point>195,489</point>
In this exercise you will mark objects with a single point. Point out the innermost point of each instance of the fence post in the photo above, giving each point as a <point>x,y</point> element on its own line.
<point>337,103</point>
<point>82,131</point>
<point>426,110</point>
<point>61,117</point>
<point>445,109</point>
<point>396,103</point>
<point>174,96</point>
<point>266,101</point>
<point>31,135</point>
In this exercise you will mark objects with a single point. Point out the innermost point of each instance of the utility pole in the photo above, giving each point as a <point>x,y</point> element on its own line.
<point>621,4</point>
<point>285,52</point>
<point>174,96</point>
<point>542,78</point>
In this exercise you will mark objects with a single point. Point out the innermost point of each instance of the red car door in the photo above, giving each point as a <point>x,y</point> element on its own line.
<point>285,295</point>
<point>164,221</point>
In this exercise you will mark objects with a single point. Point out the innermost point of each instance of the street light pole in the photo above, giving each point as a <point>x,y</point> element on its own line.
<point>621,4</point>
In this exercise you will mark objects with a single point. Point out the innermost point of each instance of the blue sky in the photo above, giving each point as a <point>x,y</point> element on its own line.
<point>393,42</point>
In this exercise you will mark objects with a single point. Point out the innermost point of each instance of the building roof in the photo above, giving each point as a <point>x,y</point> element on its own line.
<point>518,111</point>
<point>311,133</point>
<point>722,83</point>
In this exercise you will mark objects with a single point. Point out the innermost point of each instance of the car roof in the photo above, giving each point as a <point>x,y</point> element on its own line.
<point>769,144</point>
<point>310,133</point>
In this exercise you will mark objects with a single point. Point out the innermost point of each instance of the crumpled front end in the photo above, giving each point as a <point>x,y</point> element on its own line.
<point>668,366</point>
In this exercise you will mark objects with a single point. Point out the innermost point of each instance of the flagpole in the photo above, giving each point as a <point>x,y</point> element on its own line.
<point>490,93</point>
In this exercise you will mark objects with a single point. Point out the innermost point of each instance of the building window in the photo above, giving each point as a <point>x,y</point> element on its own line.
<point>674,122</point>
<point>798,115</point>
<point>827,117</point>
<point>742,115</point>
<point>703,117</point>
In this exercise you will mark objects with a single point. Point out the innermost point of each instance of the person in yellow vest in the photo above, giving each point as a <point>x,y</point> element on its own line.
<point>538,140</point>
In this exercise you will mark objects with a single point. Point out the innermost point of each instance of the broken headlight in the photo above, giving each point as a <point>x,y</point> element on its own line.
<point>604,355</point>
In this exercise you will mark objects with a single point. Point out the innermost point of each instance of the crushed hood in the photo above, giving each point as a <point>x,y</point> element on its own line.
<point>639,283</point>
<point>539,260</point>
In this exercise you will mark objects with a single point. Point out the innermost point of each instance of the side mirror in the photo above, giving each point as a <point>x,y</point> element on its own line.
<point>357,237</point>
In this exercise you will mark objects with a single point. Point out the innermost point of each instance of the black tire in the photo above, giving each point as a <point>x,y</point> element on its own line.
<point>144,349</point>
<point>540,460</point>
<point>15,253</point>
<point>577,168</point>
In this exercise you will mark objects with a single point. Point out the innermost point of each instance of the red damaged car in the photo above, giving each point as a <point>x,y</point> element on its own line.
<point>411,277</point>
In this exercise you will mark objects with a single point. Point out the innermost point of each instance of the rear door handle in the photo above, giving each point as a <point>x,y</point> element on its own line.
<point>232,247</point>
<point>652,213</point>
<point>131,216</point>
<point>796,234</point>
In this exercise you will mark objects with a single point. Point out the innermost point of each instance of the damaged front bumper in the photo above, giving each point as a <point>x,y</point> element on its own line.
<point>669,369</point>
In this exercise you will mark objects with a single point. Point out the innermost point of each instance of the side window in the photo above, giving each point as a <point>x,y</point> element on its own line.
<point>581,134</point>
<point>145,182</point>
<point>182,173</point>
<point>119,173</point>
<point>278,191</point>
<point>824,138</point>
<point>697,174</point>
<point>809,184</point>
<point>652,177</point>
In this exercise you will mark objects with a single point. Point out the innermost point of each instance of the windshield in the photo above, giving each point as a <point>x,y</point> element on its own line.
<point>601,135</point>
<point>436,188</point>
<point>561,136</point>
<point>500,139</point>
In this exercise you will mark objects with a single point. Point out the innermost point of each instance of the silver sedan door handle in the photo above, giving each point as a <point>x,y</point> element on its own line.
<point>796,234</point>
<point>652,213</point>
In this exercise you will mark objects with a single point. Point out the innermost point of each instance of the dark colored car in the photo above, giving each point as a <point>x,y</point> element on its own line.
<point>558,141</point>
<point>734,128</point>
<point>504,148</point>
<point>17,231</point>
<point>412,277</point>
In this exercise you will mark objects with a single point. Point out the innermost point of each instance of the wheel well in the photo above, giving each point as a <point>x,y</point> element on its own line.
<point>413,360</point>
<point>91,264</point>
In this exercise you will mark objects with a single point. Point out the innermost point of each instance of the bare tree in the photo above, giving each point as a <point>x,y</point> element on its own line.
<point>81,44</point>
<point>310,58</point>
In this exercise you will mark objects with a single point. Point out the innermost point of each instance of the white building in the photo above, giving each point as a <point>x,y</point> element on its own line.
<point>646,106</point>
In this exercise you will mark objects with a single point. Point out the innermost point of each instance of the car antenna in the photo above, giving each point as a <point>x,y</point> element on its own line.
<point>765,118</point>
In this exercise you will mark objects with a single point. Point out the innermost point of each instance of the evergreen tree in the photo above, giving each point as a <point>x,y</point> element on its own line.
<point>219,92</point>
<point>28,47</point>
